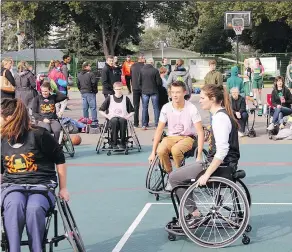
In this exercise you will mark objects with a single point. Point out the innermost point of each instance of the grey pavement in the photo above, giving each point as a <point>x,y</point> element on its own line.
<point>145,136</point>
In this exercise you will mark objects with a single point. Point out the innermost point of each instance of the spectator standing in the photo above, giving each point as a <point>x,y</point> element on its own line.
<point>149,82</point>
<point>126,69</point>
<point>6,72</point>
<point>87,85</point>
<point>117,70</point>
<point>137,93</point>
<point>213,76</point>
<point>107,77</point>
<point>167,66</point>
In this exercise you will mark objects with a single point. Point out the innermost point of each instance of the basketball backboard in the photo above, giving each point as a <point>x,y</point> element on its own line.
<point>229,15</point>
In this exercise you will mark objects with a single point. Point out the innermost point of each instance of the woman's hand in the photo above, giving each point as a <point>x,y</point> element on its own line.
<point>203,179</point>
<point>279,106</point>
<point>151,157</point>
<point>63,194</point>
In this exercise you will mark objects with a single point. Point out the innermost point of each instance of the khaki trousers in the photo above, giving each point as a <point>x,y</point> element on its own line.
<point>176,146</point>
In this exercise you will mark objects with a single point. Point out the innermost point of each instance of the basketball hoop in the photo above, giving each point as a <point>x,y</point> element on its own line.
<point>238,29</point>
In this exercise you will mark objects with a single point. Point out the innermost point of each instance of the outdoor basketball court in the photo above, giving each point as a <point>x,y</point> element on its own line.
<point>114,211</point>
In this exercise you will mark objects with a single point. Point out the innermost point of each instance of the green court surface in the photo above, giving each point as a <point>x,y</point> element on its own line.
<point>114,211</point>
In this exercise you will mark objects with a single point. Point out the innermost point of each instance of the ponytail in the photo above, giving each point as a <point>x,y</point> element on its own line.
<point>221,96</point>
<point>226,104</point>
<point>18,123</point>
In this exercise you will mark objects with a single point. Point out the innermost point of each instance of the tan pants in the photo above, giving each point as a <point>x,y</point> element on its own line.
<point>177,146</point>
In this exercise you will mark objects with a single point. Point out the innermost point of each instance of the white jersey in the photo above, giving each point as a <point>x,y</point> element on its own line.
<point>117,109</point>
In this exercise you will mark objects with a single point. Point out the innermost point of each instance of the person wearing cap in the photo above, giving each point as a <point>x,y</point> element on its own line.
<point>126,69</point>
<point>87,85</point>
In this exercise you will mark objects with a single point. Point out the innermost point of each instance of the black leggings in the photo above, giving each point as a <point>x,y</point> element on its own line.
<point>118,124</point>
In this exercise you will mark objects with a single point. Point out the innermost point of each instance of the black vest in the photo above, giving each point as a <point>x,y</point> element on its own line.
<point>27,164</point>
<point>233,154</point>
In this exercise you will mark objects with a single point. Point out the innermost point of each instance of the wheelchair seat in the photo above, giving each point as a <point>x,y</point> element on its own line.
<point>69,223</point>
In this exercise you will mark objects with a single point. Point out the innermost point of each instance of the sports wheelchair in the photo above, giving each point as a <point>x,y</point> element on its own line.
<point>105,140</point>
<point>71,232</point>
<point>224,204</point>
<point>157,177</point>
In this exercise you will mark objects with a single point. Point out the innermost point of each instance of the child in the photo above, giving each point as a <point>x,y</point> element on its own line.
<point>44,111</point>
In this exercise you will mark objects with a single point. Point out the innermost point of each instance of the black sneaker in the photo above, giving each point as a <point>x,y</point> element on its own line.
<point>122,146</point>
<point>192,221</point>
<point>115,147</point>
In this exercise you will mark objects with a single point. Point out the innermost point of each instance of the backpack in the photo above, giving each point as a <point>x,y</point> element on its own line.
<point>183,79</point>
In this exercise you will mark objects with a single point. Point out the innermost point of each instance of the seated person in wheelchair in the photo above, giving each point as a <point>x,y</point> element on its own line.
<point>238,106</point>
<point>223,145</point>
<point>44,110</point>
<point>28,158</point>
<point>184,121</point>
<point>281,101</point>
<point>117,109</point>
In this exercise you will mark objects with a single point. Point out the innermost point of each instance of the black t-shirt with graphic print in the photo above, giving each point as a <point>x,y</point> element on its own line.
<point>45,107</point>
<point>32,160</point>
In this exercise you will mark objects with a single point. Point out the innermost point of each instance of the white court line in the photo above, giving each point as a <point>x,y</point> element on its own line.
<point>140,216</point>
<point>131,229</point>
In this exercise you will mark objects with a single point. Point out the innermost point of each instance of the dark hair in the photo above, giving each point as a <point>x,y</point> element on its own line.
<point>178,84</point>
<point>259,61</point>
<point>109,57</point>
<point>65,56</point>
<point>276,80</point>
<point>19,123</point>
<point>46,84</point>
<point>221,97</point>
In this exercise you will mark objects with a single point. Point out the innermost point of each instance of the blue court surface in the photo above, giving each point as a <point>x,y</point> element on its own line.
<point>114,211</point>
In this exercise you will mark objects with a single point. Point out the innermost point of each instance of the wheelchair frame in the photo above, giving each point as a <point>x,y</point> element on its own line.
<point>107,143</point>
<point>66,141</point>
<point>179,227</point>
<point>71,232</point>
<point>250,130</point>
<point>159,187</point>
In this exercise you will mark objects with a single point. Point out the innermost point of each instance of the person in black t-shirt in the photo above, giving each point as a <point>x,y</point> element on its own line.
<point>117,109</point>
<point>44,110</point>
<point>223,145</point>
<point>29,155</point>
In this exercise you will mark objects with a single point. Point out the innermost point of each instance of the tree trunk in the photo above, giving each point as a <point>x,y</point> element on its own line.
<point>104,45</point>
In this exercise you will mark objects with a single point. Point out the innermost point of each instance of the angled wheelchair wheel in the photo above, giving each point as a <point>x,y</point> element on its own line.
<point>134,136</point>
<point>67,142</point>
<point>156,178</point>
<point>224,212</point>
<point>71,230</point>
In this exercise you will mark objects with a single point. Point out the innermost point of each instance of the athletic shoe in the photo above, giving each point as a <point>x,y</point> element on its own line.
<point>168,187</point>
<point>240,134</point>
<point>194,220</point>
<point>271,126</point>
<point>144,128</point>
<point>281,126</point>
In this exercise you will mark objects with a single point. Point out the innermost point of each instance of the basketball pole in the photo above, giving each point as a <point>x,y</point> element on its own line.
<point>237,50</point>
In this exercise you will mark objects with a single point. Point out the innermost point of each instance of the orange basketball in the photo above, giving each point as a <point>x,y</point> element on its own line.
<point>76,139</point>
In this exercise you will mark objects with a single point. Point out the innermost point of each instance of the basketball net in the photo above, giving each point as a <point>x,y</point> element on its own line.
<point>238,29</point>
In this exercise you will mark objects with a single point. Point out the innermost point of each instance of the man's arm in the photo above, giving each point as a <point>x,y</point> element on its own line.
<point>157,136</point>
<point>220,78</point>
<point>104,108</point>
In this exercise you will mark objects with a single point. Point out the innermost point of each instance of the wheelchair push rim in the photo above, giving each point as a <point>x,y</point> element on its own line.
<point>156,179</point>
<point>71,230</point>
<point>224,217</point>
<point>66,140</point>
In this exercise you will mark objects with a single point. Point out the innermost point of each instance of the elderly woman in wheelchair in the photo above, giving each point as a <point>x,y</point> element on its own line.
<point>28,158</point>
<point>208,203</point>
<point>184,122</point>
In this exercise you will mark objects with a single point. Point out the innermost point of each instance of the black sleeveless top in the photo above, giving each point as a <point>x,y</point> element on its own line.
<point>233,154</point>
<point>33,161</point>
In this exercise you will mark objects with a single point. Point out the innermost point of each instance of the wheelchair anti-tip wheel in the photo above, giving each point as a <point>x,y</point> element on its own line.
<point>71,230</point>
<point>224,210</point>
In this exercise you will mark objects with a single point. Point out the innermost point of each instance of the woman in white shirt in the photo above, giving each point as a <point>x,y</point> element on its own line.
<point>223,144</point>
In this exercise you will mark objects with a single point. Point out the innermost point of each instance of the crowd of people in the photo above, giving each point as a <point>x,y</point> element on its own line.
<point>30,153</point>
